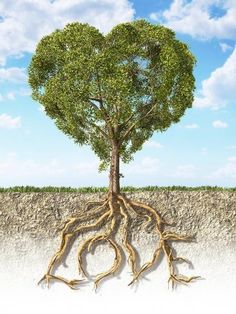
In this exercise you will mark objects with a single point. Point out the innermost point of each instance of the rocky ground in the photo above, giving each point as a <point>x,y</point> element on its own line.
<point>31,223</point>
<point>209,215</point>
<point>30,228</point>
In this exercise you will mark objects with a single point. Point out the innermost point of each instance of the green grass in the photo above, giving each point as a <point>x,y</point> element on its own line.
<point>90,189</point>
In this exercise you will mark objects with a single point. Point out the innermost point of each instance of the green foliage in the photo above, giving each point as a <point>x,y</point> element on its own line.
<point>90,189</point>
<point>123,86</point>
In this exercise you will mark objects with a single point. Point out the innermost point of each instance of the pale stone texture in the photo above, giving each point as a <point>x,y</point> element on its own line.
<point>31,224</point>
<point>209,215</point>
<point>30,228</point>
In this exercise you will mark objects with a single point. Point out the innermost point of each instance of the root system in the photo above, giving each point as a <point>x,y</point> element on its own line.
<point>107,213</point>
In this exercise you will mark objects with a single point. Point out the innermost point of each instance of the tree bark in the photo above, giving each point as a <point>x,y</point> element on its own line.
<point>114,177</point>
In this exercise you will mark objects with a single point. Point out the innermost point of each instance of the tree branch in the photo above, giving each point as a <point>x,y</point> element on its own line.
<point>106,116</point>
<point>89,123</point>
<point>127,120</point>
<point>130,129</point>
<point>105,135</point>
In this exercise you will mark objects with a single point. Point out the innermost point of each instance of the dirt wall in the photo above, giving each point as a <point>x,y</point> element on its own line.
<point>209,215</point>
<point>30,230</point>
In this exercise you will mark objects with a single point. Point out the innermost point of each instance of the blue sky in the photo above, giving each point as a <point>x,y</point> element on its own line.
<point>199,150</point>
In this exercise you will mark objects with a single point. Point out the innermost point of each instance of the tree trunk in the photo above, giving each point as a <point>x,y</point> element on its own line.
<point>114,177</point>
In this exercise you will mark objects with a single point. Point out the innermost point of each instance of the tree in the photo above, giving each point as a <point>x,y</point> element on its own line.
<point>113,92</point>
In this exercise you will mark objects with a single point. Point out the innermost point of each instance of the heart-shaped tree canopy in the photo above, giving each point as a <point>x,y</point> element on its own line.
<point>119,87</point>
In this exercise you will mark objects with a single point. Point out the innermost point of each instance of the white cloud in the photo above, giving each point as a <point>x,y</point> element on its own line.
<point>24,92</point>
<point>232,159</point>
<point>26,21</point>
<point>225,47</point>
<point>155,16</point>
<point>7,122</point>
<point>146,166</point>
<point>195,18</point>
<point>184,172</point>
<point>228,171</point>
<point>219,89</point>
<point>192,126</point>
<point>18,170</point>
<point>12,165</point>
<point>10,96</point>
<point>87,167</point>
<point>219,124</point>
<point>153,144</point>
<point>231,147</point>
<point>204,151</point>
<point>14,74</point>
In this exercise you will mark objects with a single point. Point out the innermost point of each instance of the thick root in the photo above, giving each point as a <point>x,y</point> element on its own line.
<point>109,210</point>
<point>88,244</point>
<point>115,266</point>
<point>128,246</point>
